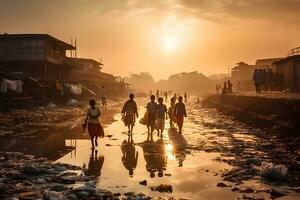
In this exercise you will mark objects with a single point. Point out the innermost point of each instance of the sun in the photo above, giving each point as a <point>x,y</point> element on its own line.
<point>170,43</point>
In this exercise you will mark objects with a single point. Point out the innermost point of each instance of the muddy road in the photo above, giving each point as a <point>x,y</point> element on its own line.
<point>215,157</point>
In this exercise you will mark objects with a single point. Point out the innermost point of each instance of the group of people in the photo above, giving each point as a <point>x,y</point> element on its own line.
<point>165,94</point>
<point>226,89</point>
<point>156,114</point>
<point>266,80</point>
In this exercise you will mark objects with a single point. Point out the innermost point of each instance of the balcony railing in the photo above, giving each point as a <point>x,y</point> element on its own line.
<point>294,52</point>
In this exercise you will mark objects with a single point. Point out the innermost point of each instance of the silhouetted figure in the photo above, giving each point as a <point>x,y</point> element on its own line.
<point>130,155</point>
<point>171,112</point>
<point>180,113</point>
<point>229,87</point>
<point>185,97</point>
<point>129,112</point>
<point>95,164</point>
<point>224,90</point>
<point>95,129</point>
<point>157,94</point>
<point>161,116</point>
<point>152,110</point>
<point>166,96</point>
<point>257,79</point>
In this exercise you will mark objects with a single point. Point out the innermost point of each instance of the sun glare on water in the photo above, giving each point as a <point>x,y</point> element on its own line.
<point>170,43</point>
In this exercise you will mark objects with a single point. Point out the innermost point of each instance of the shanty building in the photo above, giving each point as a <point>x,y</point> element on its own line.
<point>289,69</point>
<point>40,56</point>
<point>90,73</point>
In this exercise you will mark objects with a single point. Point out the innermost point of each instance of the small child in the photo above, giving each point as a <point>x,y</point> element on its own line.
<point>180,113</point>
<point>161,116</point>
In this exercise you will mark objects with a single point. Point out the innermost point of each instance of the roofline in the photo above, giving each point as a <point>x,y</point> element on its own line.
<point>99,63</point>
<point>43,36</point>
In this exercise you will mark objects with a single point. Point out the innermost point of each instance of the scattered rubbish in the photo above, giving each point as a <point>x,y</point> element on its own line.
<point>73,102</point>
<point>271,171</point>
<point>162,188</point>
<point>51,105</point>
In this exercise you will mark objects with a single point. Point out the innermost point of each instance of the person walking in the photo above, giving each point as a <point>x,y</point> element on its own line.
<point>151,109</point>
<point>185,97</point>
<point>130,112</point>
<point>257,81</point>
<point>180,113</point>
<point>224,89</point>
<point>93,124</point>
<point>161,116</point>
<point>171,112</point>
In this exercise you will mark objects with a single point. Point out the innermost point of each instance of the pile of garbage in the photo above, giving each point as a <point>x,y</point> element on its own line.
<point>27,177</point>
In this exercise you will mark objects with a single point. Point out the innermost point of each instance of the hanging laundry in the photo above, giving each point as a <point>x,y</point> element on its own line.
<point>14,85</point>
<point>76,89</point>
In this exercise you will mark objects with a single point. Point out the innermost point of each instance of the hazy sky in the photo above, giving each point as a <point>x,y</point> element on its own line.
<point>162,36</point>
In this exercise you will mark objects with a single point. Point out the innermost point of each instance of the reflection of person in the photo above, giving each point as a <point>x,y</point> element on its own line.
<point>95,164</point>
<point>155,157</point>
<point>95,129</point>
<point>129,112</point>
<point>130,155</point>
<point>180,113</point>
<point>179,145</point>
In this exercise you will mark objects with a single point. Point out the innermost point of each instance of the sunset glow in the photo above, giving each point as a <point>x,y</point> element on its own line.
<point>170,43</point>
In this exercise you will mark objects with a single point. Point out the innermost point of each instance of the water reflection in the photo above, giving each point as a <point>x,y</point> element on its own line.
<point>179,145</point>
<point>130,155</point>
<point>155,156</point>
<point>50,145</point>
<point>95,164</point>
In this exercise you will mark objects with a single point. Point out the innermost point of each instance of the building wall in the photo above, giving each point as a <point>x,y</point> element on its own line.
<point>20,49</point>
<point>286,68</point>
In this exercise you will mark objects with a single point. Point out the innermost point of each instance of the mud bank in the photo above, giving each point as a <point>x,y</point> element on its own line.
<point>273,114</point>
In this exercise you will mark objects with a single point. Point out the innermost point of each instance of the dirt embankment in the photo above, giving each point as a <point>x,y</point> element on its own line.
<point>273,114</point>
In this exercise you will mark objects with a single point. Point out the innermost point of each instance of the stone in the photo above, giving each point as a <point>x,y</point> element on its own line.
<point>144,182</point>
<point>32,170</point>
<point>52,195</point>
<point>59,188</point>
<point>221,184</point>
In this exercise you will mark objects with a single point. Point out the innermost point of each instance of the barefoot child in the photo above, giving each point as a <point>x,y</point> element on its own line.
<point>180,113</point>
<point>95,129</point>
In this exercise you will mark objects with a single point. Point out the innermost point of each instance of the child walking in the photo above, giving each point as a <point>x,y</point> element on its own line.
<point>95,128</point>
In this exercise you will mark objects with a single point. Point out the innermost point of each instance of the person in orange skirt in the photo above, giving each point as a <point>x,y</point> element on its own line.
<point>95,128</point>
<point>180,113</point>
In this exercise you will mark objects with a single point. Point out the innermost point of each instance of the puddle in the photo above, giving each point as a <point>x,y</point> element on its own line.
<point>121,163</point>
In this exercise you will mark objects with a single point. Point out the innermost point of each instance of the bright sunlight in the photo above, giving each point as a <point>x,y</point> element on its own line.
<point>170,43</point>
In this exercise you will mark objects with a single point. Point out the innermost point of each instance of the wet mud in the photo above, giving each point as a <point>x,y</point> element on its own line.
<point>216,157</point>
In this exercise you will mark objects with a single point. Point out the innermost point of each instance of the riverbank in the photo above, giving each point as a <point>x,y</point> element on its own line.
<point>273,112</point>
